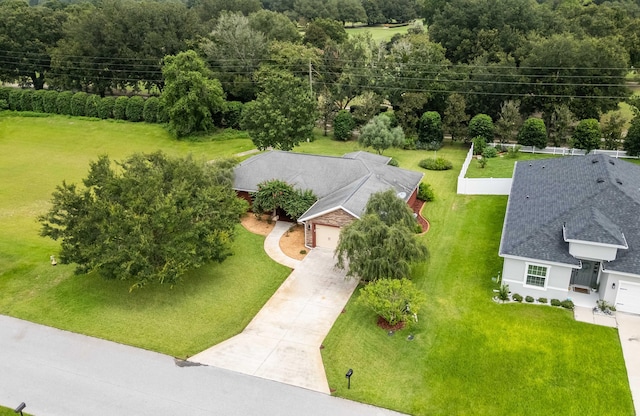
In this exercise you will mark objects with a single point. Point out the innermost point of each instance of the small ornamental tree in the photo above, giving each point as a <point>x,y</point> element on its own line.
<point>395,300</point>
<point>275,194</point>
<point>632,141</point>
<point>587,135</point>
<point>343,125</point>
<point>430,130</point>
<point>533,133</point>
<point>379,134</point>
<point>481,125</point>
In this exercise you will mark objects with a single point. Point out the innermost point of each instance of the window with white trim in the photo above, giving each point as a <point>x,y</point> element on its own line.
<point>536,275</point>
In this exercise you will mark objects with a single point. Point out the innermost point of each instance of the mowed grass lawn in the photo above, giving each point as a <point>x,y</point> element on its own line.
<point>378,33</point>
<point>471,355</point>
<point>210,305</point>
<point>501,166</point>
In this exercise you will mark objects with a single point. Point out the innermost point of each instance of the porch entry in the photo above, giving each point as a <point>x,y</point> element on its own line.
<point>586,278</point>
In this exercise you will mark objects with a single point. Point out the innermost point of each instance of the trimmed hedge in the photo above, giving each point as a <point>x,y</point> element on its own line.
<point>150,111</point>
<point>78,103</point>
<point>105,107</point>
<point>4,93</point>
<point>425,193</point>
<point>26,101</point>
<point>435,164</point>
<point>135,108</point>
<point>15,100</point>
<point>120,108</point>
<point>91,106</point>
<point>37,101</point>
<point>63,102</point>
<point>49,101</point>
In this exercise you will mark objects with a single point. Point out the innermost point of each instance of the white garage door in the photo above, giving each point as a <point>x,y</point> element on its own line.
<point>327,236</point>
<point>628,297</point>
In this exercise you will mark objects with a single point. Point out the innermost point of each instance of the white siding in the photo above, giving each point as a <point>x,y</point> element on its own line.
<point>592,252</point>
<point>558,279</point>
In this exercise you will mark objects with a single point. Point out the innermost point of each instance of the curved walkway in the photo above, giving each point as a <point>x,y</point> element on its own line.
<point>272,245</point>
<point>283,340</point>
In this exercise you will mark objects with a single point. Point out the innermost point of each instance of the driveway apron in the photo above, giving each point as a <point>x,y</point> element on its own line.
<point>282,342</point>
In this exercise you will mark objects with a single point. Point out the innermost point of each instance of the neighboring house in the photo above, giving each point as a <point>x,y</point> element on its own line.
<point>572,230</point>
<point>343,186</point>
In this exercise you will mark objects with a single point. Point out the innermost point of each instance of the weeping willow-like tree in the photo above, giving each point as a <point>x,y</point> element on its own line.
<point>382,244</point>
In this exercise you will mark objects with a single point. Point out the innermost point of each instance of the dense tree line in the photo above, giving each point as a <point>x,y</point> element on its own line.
<point>562,61</point>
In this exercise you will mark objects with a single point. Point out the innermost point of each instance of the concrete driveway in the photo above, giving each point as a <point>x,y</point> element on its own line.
<point>629,332</point>
<point>282,342</point>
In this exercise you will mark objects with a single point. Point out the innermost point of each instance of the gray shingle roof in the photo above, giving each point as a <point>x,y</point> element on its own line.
<point>338,182</point>
<point>595,198</point>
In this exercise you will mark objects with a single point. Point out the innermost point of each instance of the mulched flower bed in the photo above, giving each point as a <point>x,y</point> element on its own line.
<point>382,323</point>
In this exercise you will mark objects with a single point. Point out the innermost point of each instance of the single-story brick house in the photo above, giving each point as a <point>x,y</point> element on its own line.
<point>343,186</point>
<point>572,230</point>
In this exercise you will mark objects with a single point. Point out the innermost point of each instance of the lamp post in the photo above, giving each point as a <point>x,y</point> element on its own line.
<point>348,376</point>
<point>19,409</point>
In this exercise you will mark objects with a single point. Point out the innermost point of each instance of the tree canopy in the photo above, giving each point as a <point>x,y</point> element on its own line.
<point>379,134</point>
<point>149,218</point>
<point>533,133</point>
<point>587,135</point>
<point>632,140</point>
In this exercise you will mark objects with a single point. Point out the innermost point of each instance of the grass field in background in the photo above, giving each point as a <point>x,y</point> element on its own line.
<point>378,33</point>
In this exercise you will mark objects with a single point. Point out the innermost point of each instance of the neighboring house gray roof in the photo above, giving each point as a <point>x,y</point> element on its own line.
<point>338,182</point>
<point>591,198</point>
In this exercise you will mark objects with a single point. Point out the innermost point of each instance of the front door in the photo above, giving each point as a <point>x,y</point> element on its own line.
<point>587,276</point>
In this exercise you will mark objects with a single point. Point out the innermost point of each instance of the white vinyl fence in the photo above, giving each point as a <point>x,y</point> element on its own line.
<point>481,186</point>
<point>563,151</point>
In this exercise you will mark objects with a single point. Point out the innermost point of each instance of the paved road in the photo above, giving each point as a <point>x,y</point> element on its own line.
<point>282,342</point>
<point>61,373</point>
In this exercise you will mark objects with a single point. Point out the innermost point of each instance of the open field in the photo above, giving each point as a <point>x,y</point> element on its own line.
<point>469,355</point>
<point>378,33</point>
<point>212,304</point>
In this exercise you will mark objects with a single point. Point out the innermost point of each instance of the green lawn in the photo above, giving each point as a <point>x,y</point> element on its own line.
<point>501,167</point>
<point>471,355</point>
<point>5,411</point>
<point>212,304</point>
<point>378,33</point>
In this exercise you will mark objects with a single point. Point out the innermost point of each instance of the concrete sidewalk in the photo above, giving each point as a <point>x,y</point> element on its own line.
<point>61,373</point>
<point>272,245</point>
<point>282,342</point>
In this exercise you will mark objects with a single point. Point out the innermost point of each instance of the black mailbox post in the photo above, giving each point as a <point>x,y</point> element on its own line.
<point>348,376</point>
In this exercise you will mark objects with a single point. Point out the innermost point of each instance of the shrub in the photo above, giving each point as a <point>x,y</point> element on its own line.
<point>4,105</point>
<point>542,300</point>
<point>516,297</point>
<point>50,101</point>
<point>533,133</point>
<point>4,93</point>
<point>430,129</point>
<point>503,292</point>
<point>150,111</point>
<point>343,125</point>
<point>15,100</point>
<point>393,162</point>
<point>120,108</point>
<point>425,192</point>
<point>303,251</point>
<point>514,152</point>
<point>482,162</point>
<point>396,300</point>
<point>78,103</point>
<point>26,100</point>
<point>555,302</point>
<point>135,108</point>
<point>567,304</point>
<point>479,144</point>
<point>163,115</point>
<point>105,107</point>
<point>489,152</point>
<point>232,114</point>
<point>435,164</point>
<point>529,299</point>
<point>409,143</point>
<point>91,106</point>
<point>63,102</point>
<point>37,101</point>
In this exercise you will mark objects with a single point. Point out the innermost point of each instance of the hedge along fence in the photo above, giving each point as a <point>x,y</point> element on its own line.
<point>134,109</point>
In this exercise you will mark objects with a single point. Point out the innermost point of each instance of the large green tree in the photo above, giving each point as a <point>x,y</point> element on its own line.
<point>456,117</point>
<point>26,36</point>
<point>612,127</point>
<point>430,129</point>
<point>191,97</point>
<point>509,121</point>
<point>379,134</point>
<point>149,218</point>
<point>632,140</point>
<point>373,248</point>
<point>274,26</point>
<point>283,114</point>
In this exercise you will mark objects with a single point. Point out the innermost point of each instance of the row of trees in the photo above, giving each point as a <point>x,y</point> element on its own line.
<point>117,44</point>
